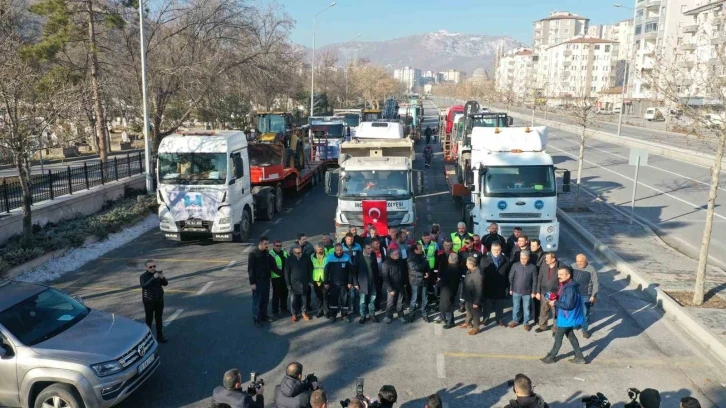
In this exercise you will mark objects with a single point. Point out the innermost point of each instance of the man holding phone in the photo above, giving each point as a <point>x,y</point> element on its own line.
<point>152,295</point>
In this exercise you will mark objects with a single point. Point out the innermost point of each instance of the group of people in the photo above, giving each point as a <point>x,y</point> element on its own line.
<point>475,275</point>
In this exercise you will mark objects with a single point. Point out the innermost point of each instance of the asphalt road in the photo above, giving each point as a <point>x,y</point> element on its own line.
<point>210,330</point>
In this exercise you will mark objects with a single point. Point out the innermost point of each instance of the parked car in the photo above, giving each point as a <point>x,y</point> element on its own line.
<point>57,352</point>
<point>604,112</point>
<point>652,114</point>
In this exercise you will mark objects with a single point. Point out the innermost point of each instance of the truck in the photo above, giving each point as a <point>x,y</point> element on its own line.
<point>375,171</point>
<point>351,117</point>
<point>445,130</point>
<point>326,139</point>
<point>372,115</point>
<point>272,123</point>
<point>513,183</point>
<point>469,129</point>
<point>279,167</point>
<point>204,186</point>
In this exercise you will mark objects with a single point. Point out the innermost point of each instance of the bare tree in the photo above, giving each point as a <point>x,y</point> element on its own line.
<point>33,98</point>
<point>581,111</point>
<point>691,78</point>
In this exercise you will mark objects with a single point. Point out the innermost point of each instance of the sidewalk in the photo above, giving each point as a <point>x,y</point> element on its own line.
<point>651,264</point>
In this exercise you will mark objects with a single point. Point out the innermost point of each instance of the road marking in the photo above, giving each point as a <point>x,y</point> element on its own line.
<point>440,366</point>
<point>205,287</point>
<point>265,232</point>
<point>438,329</point>
<point>229,265</point>
<point>696,207</point>
<point>298,201</point>
<point>119,289</point>
<point>168,260</point>
<point>173,316</point>
<point>651,166</point>
<point>658,361</point>
<point>277,221</point>
<point>433,194</point>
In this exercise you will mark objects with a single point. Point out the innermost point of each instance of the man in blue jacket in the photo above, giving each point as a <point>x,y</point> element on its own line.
<point>337,280</point>
<point>570,315</point>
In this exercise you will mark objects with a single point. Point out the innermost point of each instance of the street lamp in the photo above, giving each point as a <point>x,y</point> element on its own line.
<point>627,69</point>
<point>346,72</point>
<point>147,142</point>
<point>312,65</point>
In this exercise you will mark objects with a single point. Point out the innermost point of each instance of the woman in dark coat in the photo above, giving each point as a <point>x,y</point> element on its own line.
<point>449,277</point>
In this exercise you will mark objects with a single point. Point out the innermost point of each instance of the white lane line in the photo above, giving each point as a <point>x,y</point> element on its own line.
<point>173,316</point>
<point>651,166</point>
<point>298,201</point>
<point>277,221</point>
<point>265,232</point>
<point>205,287</point>
<point>229,265</point>
<point>696,207</point>
<point>440,366</point>
<point>438,329</point>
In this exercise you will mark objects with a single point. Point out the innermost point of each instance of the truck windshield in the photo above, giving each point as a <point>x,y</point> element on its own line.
<point>332,131</point>
<point>192,168</point>
<point>371,116</point>
<point>516,181</point>
<point>375,183</point>
<point>263,155</point>
<point>42,316</point>
<point>271,124</point>
<point>351,120</point>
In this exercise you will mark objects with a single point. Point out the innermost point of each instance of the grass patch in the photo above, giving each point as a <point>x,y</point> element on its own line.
<point>72,233</point>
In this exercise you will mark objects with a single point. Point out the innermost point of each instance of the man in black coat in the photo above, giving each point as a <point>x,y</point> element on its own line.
<point>495,268</point>
<point>231,394</point>
<point>548,282</point>
<point>472,294</point>
<point>394,283</point>
<point>364,280</point>
<point>493,236</point>
<point>293,392</point>
<point>418,275</point>
<point>298,272</point>
<point>337,281</point>
<point>152,295</point>
<point>260,265</point>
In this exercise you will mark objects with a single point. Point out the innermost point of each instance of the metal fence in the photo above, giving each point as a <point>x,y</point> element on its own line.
<point>56,183</point>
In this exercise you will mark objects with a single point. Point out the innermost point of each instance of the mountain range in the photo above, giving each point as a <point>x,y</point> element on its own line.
<point>436,51</point>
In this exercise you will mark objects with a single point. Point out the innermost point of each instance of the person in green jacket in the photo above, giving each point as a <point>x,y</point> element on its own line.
<point>279,287</point>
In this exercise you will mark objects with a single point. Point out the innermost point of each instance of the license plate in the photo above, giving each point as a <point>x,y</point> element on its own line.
<point>143,366</point>
<point>194,223</point>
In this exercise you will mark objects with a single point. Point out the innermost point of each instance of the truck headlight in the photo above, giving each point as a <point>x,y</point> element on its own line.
<point>550,238</point>
<point>550,229</point>
<point>107,368</point>
<point>224,221</point>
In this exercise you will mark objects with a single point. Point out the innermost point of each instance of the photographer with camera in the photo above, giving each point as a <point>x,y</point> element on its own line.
<point>230,393</point>
<point>293,391</point>
<point>522,387</point>
<point>387,396</point>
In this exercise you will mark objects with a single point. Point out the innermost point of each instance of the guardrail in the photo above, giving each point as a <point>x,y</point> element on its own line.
<point>53,184</point>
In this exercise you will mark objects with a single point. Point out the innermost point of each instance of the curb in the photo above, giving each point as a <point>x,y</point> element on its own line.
<point>703,336</point>
<point>34,263</point>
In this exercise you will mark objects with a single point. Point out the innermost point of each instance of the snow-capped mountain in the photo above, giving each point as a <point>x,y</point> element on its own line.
<point>436,51</point>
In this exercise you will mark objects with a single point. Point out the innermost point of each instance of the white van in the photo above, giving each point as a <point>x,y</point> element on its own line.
<point>652,114</point>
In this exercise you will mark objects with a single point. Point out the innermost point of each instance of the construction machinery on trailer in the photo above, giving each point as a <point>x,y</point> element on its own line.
<point>445,130</point>
<point>274,123</point>
<point>371,115</point>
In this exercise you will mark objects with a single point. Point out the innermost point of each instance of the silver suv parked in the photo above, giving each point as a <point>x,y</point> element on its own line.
<point>56,352</point>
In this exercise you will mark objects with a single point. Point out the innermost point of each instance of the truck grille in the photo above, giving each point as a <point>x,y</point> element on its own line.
<point>206,225</point>
<point>520,215</point>
<point>530,231</point>
<point>135,353</point>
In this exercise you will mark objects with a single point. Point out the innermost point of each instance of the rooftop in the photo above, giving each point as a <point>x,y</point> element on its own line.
<point>563,15</point>
<point>704,7</point>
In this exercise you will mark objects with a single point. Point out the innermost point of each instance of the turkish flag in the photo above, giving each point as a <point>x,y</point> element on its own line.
<point>374,213</point>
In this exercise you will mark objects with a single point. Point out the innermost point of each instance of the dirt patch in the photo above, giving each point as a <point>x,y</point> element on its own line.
<point>685,299</point>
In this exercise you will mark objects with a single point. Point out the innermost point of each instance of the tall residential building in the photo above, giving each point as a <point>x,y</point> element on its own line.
<point>658,30</point>
<point>513,75</point>
<point>409,76</point>
<point>452,75</point>
<point>558,27</point>
<point>580,67</point>
<point>700,54</point>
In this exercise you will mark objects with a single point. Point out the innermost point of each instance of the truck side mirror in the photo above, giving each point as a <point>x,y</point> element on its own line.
<point>566,181</point>
<point>510,121</point>
<point>419,182</point>
<point>331,182</point>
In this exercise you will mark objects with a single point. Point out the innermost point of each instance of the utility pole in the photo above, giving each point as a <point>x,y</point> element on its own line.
<point>147,142</point>
<point>312,65</point>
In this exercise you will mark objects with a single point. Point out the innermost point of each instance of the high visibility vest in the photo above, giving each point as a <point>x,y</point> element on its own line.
<point>318,267</point>
<point>329,251</point>
<point>430,252</point>
<point>278,261</point>
<point>458,243</point>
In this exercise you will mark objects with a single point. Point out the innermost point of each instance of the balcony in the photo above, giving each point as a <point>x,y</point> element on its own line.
<point>567,53</point>
<point>650,35</point>
<point>691,28</point>
<point>654,3</point>
<point>688,47</point>
<point>685,64</point>
<point>684,82</point>
<point>566,63</point>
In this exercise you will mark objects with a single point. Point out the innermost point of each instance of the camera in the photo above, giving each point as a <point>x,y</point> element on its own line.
<point>309,380</point>
<point>633,394</point>
<point>596,401</point>
<point>255,383</point>
<point>360,396</point>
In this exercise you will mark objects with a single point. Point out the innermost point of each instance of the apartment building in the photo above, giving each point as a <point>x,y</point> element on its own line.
<point>452,75</point>
<point>409,76</point>
<point>514,73</point>
<point>700,56</point>
<point>556,28</point>
<point>580,67</point>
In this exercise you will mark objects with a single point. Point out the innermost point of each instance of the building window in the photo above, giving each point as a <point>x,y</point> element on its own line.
<point>638,29</point>
<point>597,46</point>
<point>607,48</point>
<point>567,30</point>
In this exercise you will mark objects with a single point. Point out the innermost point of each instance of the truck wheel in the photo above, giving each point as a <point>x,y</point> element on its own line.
<point>278,199</point>
<point>268,212</point>
<point>59,396</point>
<point>245,226</point>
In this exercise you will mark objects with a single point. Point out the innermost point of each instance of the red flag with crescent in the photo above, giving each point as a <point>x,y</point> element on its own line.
<point>374,213</point>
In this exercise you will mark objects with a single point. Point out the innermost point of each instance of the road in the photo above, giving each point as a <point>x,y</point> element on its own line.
<point>671,194</point>
<point>210,329</point>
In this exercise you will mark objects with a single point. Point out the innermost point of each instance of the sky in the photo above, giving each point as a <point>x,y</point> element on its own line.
<point>379,20</point>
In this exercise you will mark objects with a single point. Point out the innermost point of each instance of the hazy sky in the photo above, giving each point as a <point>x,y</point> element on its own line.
<point>378,20</point>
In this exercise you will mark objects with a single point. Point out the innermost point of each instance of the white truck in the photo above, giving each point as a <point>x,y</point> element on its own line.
<point>514,184</point>
<point>375,170</point>
<point>204,186</point>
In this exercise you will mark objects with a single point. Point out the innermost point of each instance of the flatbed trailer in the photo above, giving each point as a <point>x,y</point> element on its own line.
<point>459,191</point>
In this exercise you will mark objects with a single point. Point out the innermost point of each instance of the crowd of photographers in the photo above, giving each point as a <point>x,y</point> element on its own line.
<point>296,391</point>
